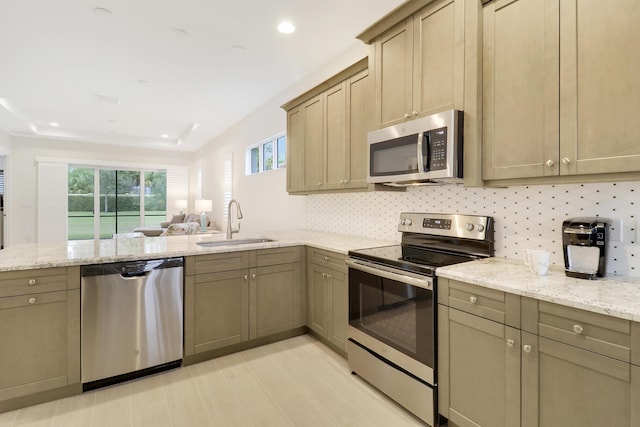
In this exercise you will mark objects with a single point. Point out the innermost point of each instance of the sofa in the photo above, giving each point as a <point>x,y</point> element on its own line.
<point>179,224</point>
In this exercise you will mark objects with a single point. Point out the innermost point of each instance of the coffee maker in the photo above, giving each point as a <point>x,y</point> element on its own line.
<point>584,242</point>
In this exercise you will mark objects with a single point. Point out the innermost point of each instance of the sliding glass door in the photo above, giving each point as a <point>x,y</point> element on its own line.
<point>122,203</point>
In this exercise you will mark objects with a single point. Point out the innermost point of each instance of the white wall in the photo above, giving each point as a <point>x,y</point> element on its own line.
<point>22,179</point>
<point>265,203</point>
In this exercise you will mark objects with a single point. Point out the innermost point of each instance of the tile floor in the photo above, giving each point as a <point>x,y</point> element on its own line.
<point>297,382</point>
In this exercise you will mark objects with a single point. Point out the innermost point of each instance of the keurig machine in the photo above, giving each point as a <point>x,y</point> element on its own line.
<point>584,241</point>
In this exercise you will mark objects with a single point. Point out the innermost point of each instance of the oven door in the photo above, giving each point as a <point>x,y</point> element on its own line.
<point>392,313</point>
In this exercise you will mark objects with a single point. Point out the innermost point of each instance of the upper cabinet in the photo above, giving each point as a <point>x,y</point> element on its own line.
<point>560,88</point>
<point>418,64</point>
<point>327,134</point>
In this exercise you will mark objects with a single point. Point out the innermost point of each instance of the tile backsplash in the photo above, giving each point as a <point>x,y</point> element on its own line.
<point>525,217</point>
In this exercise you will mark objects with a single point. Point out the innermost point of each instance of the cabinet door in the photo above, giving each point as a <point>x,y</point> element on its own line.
<point>520,89</point>
<point>570,387</point>
<point>339,308</point>
<point>295,149</point>
<point>314,143</point>
<point>36,331</point>
<point>336,136</point>
<point>318,316</point>
<point>600,88</point>
<point>275,299</point>
<point>393,75</point>
<point>438,76</point>
<point>221,310</point>
<point>481,378</point>
<point>359,123</point>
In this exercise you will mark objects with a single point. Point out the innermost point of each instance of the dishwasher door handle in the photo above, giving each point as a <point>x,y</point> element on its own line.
<point>133,276</point>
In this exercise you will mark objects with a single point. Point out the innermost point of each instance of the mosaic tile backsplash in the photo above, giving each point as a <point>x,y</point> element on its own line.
<point>525,217</point>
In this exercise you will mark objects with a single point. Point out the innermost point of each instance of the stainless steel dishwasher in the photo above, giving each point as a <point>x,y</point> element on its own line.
<point>131,319</point>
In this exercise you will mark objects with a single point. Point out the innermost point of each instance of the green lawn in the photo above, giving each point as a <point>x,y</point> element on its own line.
<point>81,223</point>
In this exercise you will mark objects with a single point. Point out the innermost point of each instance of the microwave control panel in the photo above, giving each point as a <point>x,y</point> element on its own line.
<point>437,149</point>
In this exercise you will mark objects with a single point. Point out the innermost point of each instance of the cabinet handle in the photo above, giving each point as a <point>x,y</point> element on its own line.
<point>32,282</point>
<point>324,274</point>
<point>527,348</point>
<point>245,277</point>
<point>253,276</point>
<point>578,329</point>
<point>473,299</point>
<point>319,183</point>
<point>549,163</point>
<point>328,276</point>
<point>510,343</point>
<point>324,258</point>
<point>32,300</point>
<point>407,115</point>
<point>415,113</point>
<point>566,160</point>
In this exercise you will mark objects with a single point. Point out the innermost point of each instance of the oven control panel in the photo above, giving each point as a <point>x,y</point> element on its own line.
<point>452,225</point>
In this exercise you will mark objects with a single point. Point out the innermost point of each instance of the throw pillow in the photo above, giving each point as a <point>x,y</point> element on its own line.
<point>177,219</point>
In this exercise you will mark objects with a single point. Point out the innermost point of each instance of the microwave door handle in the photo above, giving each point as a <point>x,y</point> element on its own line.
<point>420,159</point>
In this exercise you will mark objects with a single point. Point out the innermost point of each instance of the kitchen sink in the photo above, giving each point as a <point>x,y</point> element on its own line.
<point>214,243</point>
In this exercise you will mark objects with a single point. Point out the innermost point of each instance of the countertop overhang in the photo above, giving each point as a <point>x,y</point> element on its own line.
<point>612,295</point>
<point>85,252</point>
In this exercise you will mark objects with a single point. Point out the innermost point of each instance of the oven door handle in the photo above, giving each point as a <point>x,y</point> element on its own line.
<point>423,282</point>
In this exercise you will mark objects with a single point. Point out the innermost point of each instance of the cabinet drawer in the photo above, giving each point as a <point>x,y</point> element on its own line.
<point>32,300</point>
<point>213,263</point>
<point>491,304</point>
<point>327,258</point>
<point>27,282</point>
<point>605,335</point>
<point>286,255</point>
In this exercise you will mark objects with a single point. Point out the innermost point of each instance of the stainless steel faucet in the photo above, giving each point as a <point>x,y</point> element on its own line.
<point>230,230</point>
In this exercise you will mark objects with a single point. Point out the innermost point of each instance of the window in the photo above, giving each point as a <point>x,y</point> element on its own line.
<point>267,155</point>
<point>126,199</point>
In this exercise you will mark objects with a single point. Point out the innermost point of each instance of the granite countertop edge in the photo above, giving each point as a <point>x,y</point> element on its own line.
<point>612,295</point>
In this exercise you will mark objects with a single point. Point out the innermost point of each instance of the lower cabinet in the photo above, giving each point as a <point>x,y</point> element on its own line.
<point>328,296</point>
<point>39,334</point>
<point>558,366</point>
<point>237,296</point>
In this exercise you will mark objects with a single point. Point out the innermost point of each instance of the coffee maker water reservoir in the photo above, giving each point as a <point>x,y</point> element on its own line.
<point>585,242</point>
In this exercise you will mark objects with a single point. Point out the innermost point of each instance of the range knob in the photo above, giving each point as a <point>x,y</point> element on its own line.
<point>406,221</point>
<point>469,227</point>
<point>480,228</point>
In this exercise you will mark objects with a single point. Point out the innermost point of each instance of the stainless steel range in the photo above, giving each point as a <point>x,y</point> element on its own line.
<point>392,304</point>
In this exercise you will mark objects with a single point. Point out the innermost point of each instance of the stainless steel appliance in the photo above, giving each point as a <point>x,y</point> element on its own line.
<point>584,241</point>
<point>428,149</point>
<point>392,304</point>
<point>131,319</point>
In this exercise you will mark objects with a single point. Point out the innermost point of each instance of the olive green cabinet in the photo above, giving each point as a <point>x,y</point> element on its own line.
<point>327,134</point>
<point>571,110</point>
<point>237,296</point>
<point>40,334</point>
<point>478,355</point>
<point>510,361</point>
<point>419,64</point>
<point>327,296</point>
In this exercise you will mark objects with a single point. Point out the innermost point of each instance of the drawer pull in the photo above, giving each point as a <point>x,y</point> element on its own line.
<point>527,348</point>
<point>253,276</point>
<point>510,343</point>
<point>32,282</point>
<point>325,258</point>
<point>473,299</point>
<point>32,300</point>
<point>578,329</point>
<point>245,277</point>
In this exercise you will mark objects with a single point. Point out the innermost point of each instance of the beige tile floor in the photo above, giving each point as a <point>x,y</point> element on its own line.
<point>297,382</point>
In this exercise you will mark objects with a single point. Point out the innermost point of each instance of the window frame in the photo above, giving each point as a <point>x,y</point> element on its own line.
<point>261,157</point>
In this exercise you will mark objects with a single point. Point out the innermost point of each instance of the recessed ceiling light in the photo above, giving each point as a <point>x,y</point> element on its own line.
<point>106,99</point>
<point>142,81</point>
<point>286,27</point>
<point>164,135</point>
<point>54,124</point>
<point>102,11</point>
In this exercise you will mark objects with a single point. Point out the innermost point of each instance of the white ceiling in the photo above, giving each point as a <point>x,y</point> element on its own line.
<point>154,67</point>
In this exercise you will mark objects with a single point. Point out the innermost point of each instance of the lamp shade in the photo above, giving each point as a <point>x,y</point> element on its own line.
<point>181,204</point>
<point>203,205</point>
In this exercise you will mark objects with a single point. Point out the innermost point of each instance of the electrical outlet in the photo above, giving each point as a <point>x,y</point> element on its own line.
<point>615,231</point>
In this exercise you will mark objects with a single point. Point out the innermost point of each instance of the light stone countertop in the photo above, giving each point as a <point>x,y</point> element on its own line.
<point>614,296</point>
<point>84,252</point>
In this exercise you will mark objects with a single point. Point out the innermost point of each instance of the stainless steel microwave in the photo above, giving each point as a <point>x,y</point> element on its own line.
<point>424,150</point>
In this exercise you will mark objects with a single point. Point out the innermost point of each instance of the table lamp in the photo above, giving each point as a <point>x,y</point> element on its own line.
<point>182,205</point>
<point>203,206</point>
